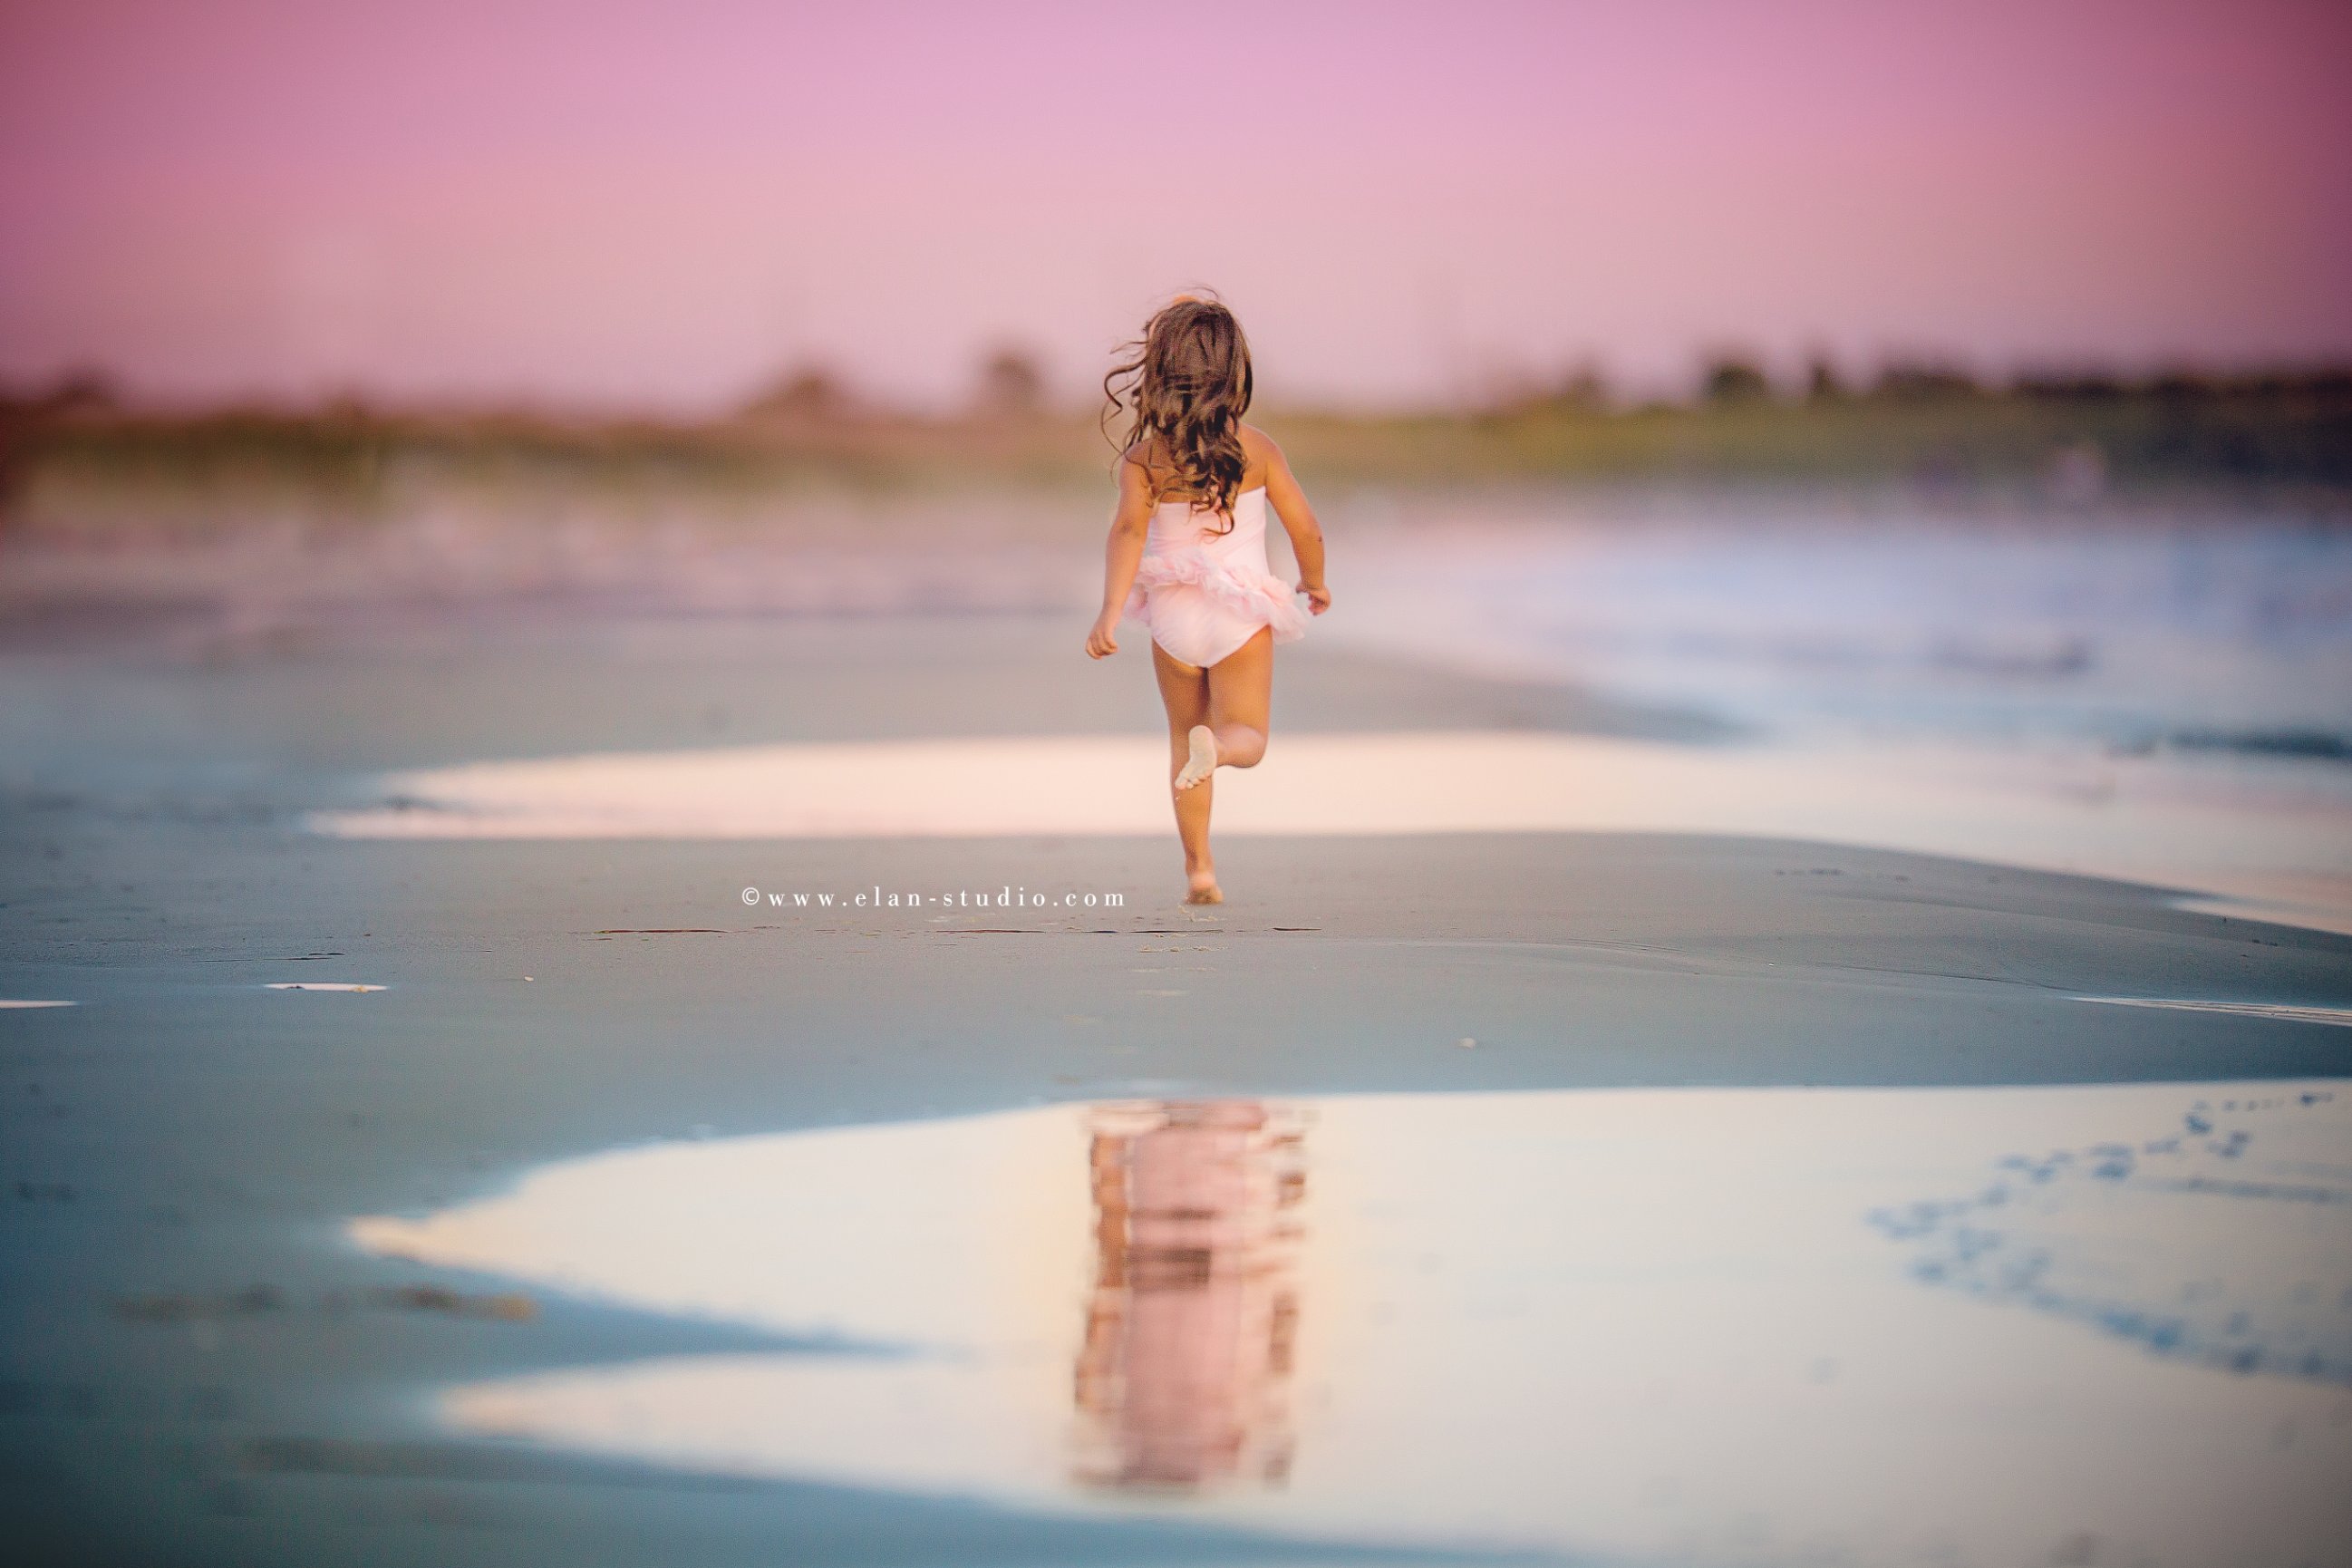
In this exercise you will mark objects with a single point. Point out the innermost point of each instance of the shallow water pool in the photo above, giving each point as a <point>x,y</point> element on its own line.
<point>1945,1325</point>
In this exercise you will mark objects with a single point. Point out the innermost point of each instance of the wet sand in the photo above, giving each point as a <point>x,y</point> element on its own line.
<point>200,1365</point>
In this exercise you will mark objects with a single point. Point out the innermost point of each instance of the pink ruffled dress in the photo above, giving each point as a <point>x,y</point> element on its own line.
<point>1203,593</point>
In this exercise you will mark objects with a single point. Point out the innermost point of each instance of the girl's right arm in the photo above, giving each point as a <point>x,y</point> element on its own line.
<point>1124,552</point>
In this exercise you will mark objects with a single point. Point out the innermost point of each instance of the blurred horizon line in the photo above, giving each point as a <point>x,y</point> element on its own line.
<point>78,457</point>
<point>1010,379</point>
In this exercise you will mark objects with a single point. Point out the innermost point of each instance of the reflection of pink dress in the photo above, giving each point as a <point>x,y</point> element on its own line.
<point>1204,593</point>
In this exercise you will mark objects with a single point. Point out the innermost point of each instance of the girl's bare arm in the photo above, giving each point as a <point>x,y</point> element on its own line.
<point>1121,555</point>
<point>1299,521</point>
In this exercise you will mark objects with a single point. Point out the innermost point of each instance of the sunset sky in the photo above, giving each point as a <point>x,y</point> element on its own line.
<point>659,205</point>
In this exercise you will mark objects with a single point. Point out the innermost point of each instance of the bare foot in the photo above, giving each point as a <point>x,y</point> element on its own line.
<point>1205,889</point>
<point>1201,763</point>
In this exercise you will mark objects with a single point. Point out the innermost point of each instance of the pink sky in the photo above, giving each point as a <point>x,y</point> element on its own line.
<point>659,205</point>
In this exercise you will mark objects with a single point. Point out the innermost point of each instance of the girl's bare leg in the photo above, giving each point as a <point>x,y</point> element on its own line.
<point>1217,717</point>
<point>1241,702</point>
<point>1241,689</point>
<point>1184,689</point>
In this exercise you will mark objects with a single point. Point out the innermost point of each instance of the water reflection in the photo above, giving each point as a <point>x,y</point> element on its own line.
<point>1184,1375</point>
<point>1695,1326</point>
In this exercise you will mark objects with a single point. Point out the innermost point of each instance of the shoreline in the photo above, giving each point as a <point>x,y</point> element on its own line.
<point>196,1366</point>
<point>2130,821</point>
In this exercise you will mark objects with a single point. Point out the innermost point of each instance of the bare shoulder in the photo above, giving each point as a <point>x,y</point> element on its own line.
<point>1258,449</point>
<point>1139,464</point>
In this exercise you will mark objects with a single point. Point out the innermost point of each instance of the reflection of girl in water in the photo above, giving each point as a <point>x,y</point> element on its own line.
<point>1184,1378</point>
<point>1187,555</point>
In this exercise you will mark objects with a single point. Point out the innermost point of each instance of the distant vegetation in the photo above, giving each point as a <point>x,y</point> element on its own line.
<point>74,454</point>
<point>2071,438</point>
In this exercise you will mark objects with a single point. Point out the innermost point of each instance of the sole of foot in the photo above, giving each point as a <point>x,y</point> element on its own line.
<point>1203,761</point>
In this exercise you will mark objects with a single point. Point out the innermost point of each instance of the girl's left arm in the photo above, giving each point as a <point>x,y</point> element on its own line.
<point>1122,554</point>
<point>1299,521</point>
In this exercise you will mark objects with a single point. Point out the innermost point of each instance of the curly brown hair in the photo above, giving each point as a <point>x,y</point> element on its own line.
<point>1186,384</point>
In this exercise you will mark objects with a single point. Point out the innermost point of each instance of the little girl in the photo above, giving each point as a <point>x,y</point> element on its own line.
<point>1187,555</point>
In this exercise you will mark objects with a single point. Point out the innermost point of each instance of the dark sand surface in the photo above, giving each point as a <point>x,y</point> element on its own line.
<point>199,1369</point>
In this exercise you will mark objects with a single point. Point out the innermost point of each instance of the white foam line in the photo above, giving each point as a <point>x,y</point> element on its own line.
<point>318,986</point>
<point>17,1002</point>
<point>2340,1016</point>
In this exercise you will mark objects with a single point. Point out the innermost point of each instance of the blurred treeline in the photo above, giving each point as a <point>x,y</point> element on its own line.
<point>2071,437</point>
<point>75,454</point>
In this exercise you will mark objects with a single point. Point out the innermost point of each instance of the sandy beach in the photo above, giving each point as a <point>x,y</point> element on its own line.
<point>206,1362</point>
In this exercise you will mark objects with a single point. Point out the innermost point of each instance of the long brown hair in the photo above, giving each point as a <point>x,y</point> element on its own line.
<point>1186,384</point>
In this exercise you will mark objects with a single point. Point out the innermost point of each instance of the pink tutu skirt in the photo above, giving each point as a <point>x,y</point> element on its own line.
<point>1204,593</point>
